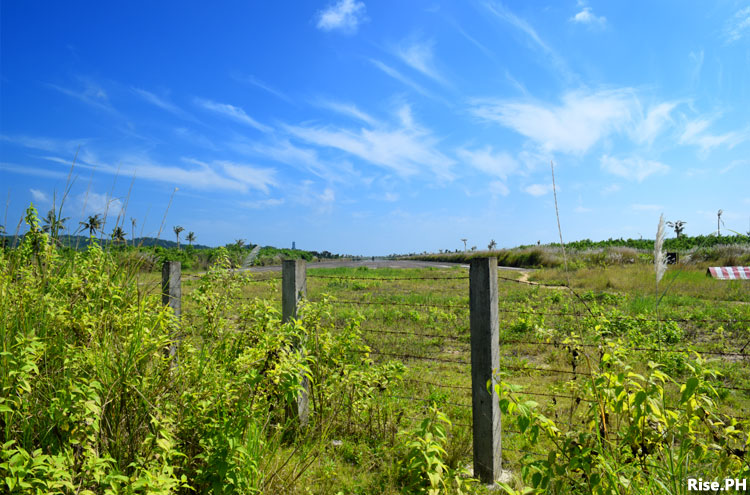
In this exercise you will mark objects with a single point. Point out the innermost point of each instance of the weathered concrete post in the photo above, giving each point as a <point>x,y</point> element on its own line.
<point>171,289</point>
<point>485,357</point>
<point>294,289</point>
<point>171,293</point>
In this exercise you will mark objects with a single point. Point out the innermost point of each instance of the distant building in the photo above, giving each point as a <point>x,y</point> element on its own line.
<point>294,246</point>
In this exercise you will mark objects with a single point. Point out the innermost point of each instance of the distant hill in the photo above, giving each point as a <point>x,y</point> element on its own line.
<point>83,241</point>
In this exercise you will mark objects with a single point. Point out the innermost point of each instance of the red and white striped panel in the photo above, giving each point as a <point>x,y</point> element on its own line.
<point>730,272</point>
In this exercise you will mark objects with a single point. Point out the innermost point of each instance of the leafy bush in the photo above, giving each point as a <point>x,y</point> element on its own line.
<point>103,390</point>
<point>641,432</point>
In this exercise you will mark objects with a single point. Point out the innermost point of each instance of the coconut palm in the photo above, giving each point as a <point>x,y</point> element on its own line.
<point>492,245</point>
<point>118,235</point>
<point>53,224</point>
<point>190,238</point>
<point>132,229</point>
<point>92,224</point>
<point>239,243</point>
<point>678,227</point>
<point>177,231</point>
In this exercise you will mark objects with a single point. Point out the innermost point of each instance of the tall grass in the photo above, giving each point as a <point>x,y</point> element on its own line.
<point>90,401</point>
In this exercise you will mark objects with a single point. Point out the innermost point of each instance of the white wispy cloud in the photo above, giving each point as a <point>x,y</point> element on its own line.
<point>505,15</point>
<point>15,168</point>
<point>348,109</point>
<point>539,189</point>
<point>161,103</point>
<point>92,94</point>
<point>93,203</point>
<point>419,55</point>
<point>633,168</point>
<point>734,164</point>
<point>232,112</point>
<point>39,196</point>
<point>262,203</point>
<point>328,195</point>
<point>265,87</point>
<point>738,26</point>
<point>344,16</point>
<point>219,175</point>
<point>249,176</point>
<point>390,71</point>
<point>302,158</point>
<point>472,40</point>
<point>497,163</point>
<point>696,133</point>
<point>572,127</point>
<point>697,59</point>
<point>610,189</point>
<point>586,16</point>
<point>656,120</point>
<point>498,188</point>
<point>406,149</point>
<point>61,146</point>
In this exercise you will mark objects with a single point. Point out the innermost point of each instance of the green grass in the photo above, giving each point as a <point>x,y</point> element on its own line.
<point>624,291</point>
<point>87,380</point>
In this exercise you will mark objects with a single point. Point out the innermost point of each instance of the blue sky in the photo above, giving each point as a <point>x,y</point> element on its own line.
<point>378,127</point>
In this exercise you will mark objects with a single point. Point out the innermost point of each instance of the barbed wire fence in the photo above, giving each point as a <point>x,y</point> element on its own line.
<point>463,389</point>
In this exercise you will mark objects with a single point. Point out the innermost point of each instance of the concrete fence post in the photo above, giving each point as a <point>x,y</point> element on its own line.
<point>293,290</point>
<point>485,357</point>
<point>171,293</point>
<point>171,288</point>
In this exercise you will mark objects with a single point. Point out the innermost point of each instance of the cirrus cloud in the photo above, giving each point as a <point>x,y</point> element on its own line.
<point>633,168</point>
<point>344,16</point>
<point>578,123</point>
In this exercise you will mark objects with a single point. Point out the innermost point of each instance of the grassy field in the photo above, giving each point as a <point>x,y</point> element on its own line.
<point>420,318</point>
<point>103,390</point>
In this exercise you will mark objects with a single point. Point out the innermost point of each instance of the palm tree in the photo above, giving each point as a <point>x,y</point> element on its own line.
<point>678,227</point>
<point>132,229</point>
<point>239,243</point>
<point>118,235</point>
<point>464,243</point>
<point>177,231</point>
<point>92,224</point>
<point>492,245</point>
<point>190,238</point>
<point>53,224</point>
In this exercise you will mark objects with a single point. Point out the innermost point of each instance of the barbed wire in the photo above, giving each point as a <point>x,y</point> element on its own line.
<point>396,303</point>
<point>416,334</point>
<point>385,278</point>
<point>640,349</point>
<point>546,370</point>
<point>545,313</point>
<point>417,399</point>
<point>555,396</point>
<point>442,385</point>
<point>412,356</point>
